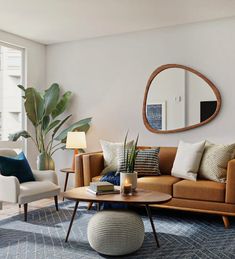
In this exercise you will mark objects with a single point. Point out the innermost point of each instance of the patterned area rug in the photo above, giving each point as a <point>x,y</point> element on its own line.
<point>181,235</point>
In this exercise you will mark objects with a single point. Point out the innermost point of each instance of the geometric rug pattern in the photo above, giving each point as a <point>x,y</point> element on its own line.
<point>181,235</point>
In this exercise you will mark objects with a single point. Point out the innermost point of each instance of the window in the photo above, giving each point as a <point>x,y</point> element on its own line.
<point>11,118</point>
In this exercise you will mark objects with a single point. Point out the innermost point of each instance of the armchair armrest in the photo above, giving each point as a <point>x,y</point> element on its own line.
<point>9,189</point>
<point>230,184</point>
<point>47,175</point>
<point>93,164</point>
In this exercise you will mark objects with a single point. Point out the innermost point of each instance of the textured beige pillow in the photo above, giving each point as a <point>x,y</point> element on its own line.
<point>111,153</point>
<point>215,160</point>
<point>187,160</point>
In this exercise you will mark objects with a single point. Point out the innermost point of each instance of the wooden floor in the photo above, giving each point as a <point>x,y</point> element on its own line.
<point>9,209</point>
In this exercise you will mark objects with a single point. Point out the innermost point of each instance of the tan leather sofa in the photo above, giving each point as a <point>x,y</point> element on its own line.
<point>197,196</point>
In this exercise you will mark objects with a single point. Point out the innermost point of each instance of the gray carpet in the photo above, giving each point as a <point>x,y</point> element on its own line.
<point>181,235</point>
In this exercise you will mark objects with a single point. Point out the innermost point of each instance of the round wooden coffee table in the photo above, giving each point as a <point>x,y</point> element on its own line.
<point>141,197</point>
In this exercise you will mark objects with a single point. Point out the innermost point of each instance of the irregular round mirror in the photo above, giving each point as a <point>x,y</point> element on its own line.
<point>179,98</point>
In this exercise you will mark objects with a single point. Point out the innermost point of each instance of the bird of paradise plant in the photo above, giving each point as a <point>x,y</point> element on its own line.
<point>44,110</point>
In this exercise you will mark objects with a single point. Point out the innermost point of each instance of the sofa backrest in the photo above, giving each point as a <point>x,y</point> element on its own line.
<point>166,159</point>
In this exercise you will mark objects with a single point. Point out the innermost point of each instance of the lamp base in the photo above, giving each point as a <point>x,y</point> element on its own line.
<point>74,155</point>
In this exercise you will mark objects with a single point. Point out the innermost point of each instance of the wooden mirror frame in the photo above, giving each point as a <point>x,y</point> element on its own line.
<point>167,66</point>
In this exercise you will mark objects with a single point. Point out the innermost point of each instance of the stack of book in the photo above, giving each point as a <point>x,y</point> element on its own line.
<point>99,188</point>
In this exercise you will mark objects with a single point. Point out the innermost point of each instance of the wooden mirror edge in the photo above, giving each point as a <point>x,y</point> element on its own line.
<point>209,82</point>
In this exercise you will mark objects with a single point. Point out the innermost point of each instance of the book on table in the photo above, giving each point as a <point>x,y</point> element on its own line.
<point>114,191</point>
<point>101,186</point>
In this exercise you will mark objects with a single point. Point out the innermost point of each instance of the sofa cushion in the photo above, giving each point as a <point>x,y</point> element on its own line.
<point>146,163</point>
<point>162,183</point>
<point>199,190</point>
<point>187,160</point>
<point>214,162</point>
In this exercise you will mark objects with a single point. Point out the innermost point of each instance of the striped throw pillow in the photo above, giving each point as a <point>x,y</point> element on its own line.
<point>147,162</point>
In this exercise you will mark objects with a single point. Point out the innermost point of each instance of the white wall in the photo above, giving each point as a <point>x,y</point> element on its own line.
<point>108,77</point>
<point>35,73</point>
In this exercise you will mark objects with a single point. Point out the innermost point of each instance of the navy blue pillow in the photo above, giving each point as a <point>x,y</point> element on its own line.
<point>16,166</point>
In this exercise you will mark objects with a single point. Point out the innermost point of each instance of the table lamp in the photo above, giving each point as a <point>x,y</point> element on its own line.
<point>75,140</point>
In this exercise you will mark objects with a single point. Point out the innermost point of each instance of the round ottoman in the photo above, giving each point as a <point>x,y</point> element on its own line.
<point>115,232</point>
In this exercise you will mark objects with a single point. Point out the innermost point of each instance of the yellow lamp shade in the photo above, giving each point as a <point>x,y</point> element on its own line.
<point>76,140</point>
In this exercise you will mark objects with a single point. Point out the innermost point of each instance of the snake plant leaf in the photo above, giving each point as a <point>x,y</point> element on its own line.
<point>51,97</point>
<point>34,105</point>
<point>62,105</point>
<point>45,122</point>
<point>52,125</point>
<point>15,136</point>
<point>22,88</point>
<point>74,127</point>
<point>61,123</point>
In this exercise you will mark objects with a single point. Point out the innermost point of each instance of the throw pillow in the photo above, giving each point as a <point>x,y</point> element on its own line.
<point>111,152</point>
<point>214,162</point>
<point>16,166</point>
<point>147,162</point>
<point>187,160</point>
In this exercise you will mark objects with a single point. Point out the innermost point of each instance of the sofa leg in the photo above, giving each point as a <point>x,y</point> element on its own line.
<point>25,211</point>
<point>56,202</point>
<point>226,221</point>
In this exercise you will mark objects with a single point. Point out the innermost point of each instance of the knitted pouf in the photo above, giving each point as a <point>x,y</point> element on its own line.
<point>115,232</point>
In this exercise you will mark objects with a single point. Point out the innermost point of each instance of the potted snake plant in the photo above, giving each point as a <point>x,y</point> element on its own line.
<point>128,175</point>
<point>44,110</point>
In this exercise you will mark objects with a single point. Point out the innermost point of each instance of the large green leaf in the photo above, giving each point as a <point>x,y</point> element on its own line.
<point>73,127</point>
<point>33,105</point>
<point>51,98</point>
<point>61,123</point>
<point>51,126</point>
<point>45,122</point>
<point>62,104</point>
<point>15,136</point>
<point>21,87</point>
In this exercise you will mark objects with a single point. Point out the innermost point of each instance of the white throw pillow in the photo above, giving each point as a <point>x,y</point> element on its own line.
<point>111,152</point>
<point>187,160</point>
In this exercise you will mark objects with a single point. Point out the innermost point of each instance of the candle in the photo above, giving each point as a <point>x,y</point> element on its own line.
<point>127,188</point>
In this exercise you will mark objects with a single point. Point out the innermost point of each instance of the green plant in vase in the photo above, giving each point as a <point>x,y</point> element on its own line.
<point>44,110</point>
<point>129,176</point>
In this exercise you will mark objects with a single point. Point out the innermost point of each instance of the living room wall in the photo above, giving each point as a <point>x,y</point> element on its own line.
<point>35,73</point>
<point>108,76</point>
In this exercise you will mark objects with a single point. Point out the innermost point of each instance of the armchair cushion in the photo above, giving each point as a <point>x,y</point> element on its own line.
<point>17,166</point>
<point>45,175</point>
<point>32,191</point>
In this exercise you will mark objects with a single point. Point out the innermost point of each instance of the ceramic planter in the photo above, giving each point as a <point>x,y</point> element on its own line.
<point>129,178</point>
<point>45,162</point>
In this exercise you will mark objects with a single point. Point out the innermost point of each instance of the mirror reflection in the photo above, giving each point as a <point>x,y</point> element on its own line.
<point>178,98</point>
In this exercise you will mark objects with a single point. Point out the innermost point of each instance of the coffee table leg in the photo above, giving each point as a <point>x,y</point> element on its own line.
<point>152,224</point>
<point>71,222</point>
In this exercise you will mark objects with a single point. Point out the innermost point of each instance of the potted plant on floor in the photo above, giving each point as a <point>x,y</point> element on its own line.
<point>128,176</point>
<point>44,110</point>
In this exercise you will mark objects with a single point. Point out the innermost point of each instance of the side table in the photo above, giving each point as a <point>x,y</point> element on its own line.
<point>67,171</point>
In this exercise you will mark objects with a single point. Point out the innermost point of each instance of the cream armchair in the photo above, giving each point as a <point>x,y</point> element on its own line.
<point>45,186</point>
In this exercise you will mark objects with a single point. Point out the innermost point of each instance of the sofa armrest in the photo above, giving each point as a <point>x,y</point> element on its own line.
<point>93,164</point>
<point>9,189</point>
<point>45,175</point>
<point>230,184</point>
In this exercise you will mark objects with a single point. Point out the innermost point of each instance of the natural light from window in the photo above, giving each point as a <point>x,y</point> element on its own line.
<point>10,95</point>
